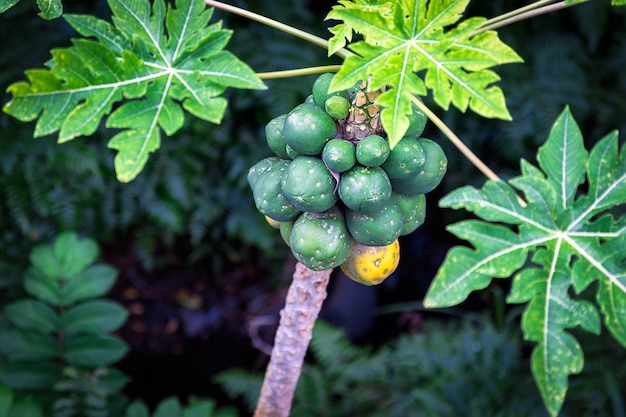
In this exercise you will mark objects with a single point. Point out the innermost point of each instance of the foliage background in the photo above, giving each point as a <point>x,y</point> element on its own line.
<point>191,209</point>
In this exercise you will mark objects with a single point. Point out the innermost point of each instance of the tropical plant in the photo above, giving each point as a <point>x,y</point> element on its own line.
<point>156,62</point>
<point>463,367</point>
<point>57,342</point>
<point>12,406</point>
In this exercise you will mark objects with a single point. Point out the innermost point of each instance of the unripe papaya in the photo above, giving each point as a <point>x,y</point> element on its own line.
<point>269,197</point>
<point>309,185</point>
<point>321,240</point>
<point>307,129</point>
<point>364,189</point>
<point>377,229</point>
<point>430,175</point>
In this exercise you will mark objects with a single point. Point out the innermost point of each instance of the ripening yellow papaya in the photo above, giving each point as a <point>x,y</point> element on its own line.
<point>371,265</point>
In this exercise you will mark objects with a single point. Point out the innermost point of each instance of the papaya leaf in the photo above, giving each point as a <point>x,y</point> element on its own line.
<point>7,4</point>
<point>342,32</point>
<point>49,9</point>
<point>556,244</point>
<point>419,37</point>
<point>140,72</point>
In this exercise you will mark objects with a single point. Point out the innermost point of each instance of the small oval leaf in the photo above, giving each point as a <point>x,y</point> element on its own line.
<point>30,375</point>
<point>93,317</point>
<point>93,282</point>
<point>27,345</point>
<point>94,351</point>
<point>32,315</point>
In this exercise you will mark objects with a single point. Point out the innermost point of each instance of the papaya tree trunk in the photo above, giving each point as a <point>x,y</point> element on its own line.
<point>303,304</point>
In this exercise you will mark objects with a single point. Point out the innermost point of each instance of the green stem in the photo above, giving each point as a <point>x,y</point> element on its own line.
<point>462,147</point>
<point>519,15</point>
<point>316,40</point>
<point>298,72</point>
<point>521,10</point>
<point>456,141</point>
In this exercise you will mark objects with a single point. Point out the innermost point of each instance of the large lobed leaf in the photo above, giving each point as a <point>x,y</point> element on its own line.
<point>157,60</point>
<point>405,38</point>
<point>575,238</point>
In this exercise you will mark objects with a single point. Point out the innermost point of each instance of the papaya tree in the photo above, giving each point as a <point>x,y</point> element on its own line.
<point>351,169</point>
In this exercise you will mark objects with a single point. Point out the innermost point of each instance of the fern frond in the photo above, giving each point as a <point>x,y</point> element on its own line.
<point>332,347</point>
<point>241,384</point>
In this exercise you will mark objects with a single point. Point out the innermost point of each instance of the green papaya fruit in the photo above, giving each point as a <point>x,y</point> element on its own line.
<point>364,189</point>
<point>274,136</point>
<point>257,170</point>
<point>430,175</point>
<point>268,195</point>
<point>339,155</point>
<point>320,89</point>
<point>285,231</point>
<point>417,122</point>
<point>405,160</point>
<point>292,153</point>
<point>372,151</point>
<point>377,229</point>
<point>337,107</point>
<point>307,128</point>
<point>321,240</point>
<point>413,210</point>
<point>308,184</point>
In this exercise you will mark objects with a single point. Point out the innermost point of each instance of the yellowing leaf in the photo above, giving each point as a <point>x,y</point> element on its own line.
<point>139,73</point>
<point>412,41</point>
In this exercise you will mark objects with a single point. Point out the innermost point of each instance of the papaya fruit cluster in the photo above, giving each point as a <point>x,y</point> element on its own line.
<point>336,190</point>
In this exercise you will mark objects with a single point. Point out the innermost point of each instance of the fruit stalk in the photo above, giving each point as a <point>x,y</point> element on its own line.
<point>302,306</point>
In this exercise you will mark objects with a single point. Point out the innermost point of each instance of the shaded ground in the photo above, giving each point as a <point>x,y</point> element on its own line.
<point>187,325</point>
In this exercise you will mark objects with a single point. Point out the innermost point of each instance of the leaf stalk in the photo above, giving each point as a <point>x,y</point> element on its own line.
<point>456,141</point>
<point>316,40</point>
<point>532,10</point>
<point>298,72</point>
<point>460,145</point>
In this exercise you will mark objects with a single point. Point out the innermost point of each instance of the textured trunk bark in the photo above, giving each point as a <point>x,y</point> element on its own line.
<point>304,301</point>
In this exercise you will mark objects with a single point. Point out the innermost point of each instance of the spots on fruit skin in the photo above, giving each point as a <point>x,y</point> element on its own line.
<point>370,265</point>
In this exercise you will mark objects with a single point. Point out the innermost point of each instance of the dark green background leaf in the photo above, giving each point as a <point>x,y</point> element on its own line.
<point>94,351</point>
<point>32,315</point>
<point>95,281</point>
<point>27,345</point>
<point>93,317</point>
<point>26,375</point>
